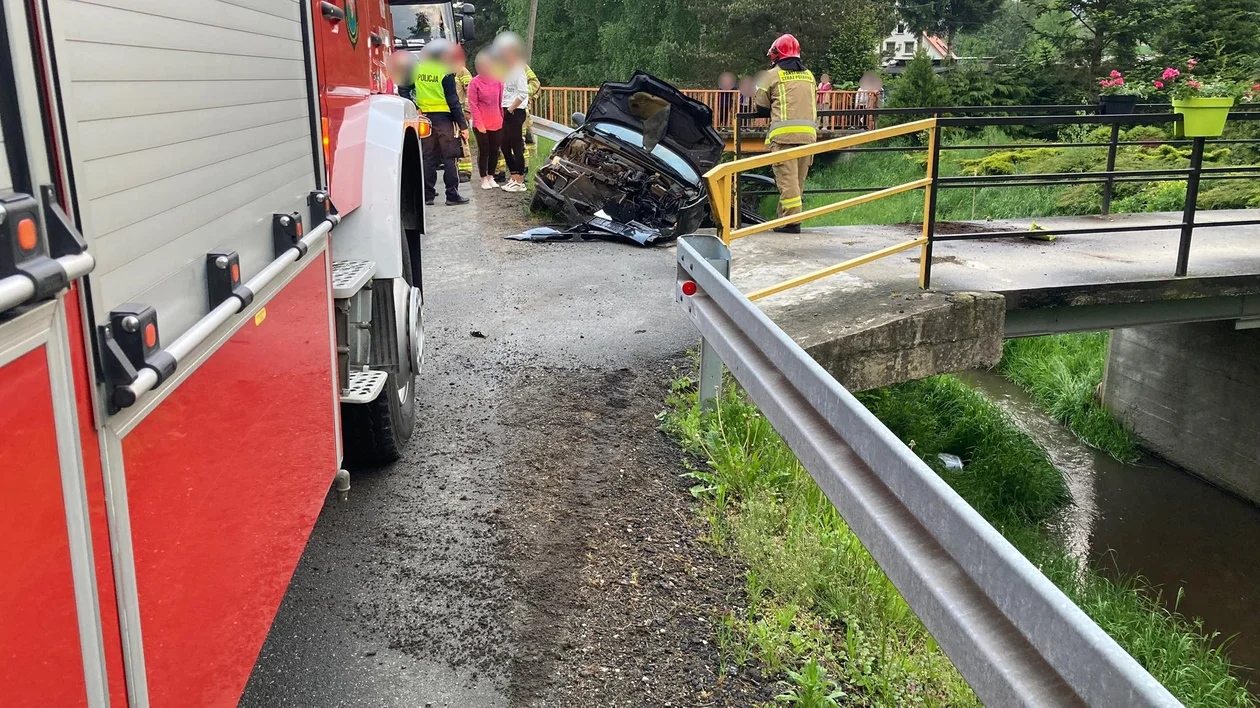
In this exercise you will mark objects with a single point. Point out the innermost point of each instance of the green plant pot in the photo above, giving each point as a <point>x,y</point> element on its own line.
<point>1204,117</point>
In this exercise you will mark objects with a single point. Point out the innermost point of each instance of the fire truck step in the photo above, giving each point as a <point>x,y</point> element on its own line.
<point>365,386</point>
<point>350,276</point>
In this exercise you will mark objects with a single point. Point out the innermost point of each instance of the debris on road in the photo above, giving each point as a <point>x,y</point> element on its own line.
<point>597,228</point>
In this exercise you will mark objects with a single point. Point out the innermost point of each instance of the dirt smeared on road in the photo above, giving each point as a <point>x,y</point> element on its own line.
<point>618,592</point>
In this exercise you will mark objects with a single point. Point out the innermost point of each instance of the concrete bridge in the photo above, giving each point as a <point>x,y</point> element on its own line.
<point>1184,371</point>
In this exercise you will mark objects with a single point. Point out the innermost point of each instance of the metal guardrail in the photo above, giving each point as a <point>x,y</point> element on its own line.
<point>550,129</point>
<point>1014,636</point>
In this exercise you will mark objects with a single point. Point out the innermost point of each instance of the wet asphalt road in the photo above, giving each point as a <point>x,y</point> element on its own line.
<point>404,596</point>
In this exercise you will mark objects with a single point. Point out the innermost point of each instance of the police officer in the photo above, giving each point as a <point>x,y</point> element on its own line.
<point>786,96</point>
<point>438,99</point>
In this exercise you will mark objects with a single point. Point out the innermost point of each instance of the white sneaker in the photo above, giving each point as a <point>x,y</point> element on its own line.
<point>488,183</point>
<point>513,186</point>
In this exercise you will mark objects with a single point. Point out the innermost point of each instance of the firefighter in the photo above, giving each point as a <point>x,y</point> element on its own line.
<point>786,96</point>
<point>462,78</point>
<point>438,98</point>
<point>535,86</point>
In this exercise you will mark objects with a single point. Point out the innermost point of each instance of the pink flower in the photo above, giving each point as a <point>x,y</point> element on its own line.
<point>1104,82</point>
<point>1159,84</point>
<point>1119,82</point>
<point>1192,63</point>
<point>1115,74</point>
<point>1256,87</point>
<point>1170,73</point>
<point>1193,84</point>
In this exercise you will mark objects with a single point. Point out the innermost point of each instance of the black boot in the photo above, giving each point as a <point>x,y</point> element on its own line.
<point>456,200</point>
<point>789,229</point>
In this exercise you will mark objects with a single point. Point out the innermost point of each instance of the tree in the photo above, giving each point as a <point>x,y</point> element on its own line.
<point>854,47</point>
<point>1097,32</point>
<point>920,86</point>
<point>735,34</point>
<point>947,17</point>
<point>1224,35</point>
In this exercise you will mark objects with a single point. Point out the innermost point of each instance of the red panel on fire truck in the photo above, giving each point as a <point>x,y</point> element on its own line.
<point>41,663</point>
<point>224,482</point>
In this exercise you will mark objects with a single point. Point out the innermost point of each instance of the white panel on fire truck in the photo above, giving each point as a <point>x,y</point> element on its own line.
<point>188,128</point>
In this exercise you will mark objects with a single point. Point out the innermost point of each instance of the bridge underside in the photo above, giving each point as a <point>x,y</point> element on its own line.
<point>872,326</point>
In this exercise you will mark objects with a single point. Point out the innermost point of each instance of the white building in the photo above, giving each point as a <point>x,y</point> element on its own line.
<point>899,48</point>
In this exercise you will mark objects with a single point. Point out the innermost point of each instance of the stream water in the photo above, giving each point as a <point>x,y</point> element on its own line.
<point>1157,521</point>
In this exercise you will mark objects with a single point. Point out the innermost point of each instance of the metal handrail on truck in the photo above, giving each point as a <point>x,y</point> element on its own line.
<point>1014,636</point>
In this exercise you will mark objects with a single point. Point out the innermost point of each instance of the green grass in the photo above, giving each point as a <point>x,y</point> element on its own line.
<point>815,595</point>
<point>1061,373</point>
<point>538,157</point>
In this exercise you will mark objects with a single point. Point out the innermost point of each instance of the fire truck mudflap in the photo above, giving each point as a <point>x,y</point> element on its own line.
<point>180,372</point>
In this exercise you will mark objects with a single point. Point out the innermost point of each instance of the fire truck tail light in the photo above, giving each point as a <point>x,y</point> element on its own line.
<point>150,334</point>
<point>689,288</point>
<point>27,235</point>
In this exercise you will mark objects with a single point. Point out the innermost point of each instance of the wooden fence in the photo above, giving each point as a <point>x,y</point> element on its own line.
<point>558,103</point>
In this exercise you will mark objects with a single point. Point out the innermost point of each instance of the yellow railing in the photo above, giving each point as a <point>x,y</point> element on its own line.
<point>722,179</point>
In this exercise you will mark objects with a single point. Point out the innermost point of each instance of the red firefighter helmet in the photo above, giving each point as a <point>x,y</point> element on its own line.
<point>783,47</point>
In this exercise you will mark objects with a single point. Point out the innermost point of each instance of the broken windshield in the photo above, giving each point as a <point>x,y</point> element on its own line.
<point>423,22</point>
<point>675,161</point>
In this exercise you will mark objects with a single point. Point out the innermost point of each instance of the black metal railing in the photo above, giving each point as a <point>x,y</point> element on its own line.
<point>972,117</point>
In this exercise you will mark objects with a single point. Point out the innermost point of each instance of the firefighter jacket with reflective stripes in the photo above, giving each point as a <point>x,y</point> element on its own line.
<point>531,79</point>
<point>463,77</point>
<point>790,97</point>
<point>436,91</point>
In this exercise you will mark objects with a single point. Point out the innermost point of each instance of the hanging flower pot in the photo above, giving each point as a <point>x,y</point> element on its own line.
<point>1204,117</point>
<point>1115,105</point>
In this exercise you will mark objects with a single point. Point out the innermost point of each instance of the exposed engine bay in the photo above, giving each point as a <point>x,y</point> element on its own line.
<point>592,172</point>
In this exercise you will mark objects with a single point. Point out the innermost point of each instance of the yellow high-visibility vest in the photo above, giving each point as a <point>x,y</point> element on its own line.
<point>430,96</point>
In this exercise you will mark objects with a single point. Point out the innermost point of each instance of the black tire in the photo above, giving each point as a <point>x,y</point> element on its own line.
<point>374,434</point>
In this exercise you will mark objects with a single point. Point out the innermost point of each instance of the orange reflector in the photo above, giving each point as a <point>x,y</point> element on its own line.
<point>327,143</point>
<point>28,236</point>
<point>689,288</point>
<point>150,334</point>
<point>236,273</point>
<point>425,128</point>
<point>299,228</point>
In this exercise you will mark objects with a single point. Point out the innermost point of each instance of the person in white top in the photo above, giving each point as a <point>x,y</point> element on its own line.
<point>510,52</point>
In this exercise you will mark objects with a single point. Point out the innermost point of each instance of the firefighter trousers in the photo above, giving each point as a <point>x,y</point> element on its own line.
<point>789,177</point>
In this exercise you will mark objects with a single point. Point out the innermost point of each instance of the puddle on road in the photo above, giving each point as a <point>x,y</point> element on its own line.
<point>1162,523</point>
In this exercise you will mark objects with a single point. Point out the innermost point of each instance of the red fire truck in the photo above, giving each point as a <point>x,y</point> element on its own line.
<point>210,294</point>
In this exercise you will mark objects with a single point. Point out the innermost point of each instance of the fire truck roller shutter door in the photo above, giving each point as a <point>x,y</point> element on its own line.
<point>183,140</point>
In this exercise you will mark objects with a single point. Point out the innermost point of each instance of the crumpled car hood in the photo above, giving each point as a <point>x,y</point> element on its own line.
<point>663,114</point>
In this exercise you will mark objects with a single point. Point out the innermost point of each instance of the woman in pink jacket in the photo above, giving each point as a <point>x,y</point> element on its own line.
<point>485,96</point>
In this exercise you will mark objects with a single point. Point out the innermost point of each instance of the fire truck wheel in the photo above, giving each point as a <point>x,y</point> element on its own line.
<point>375,433</point>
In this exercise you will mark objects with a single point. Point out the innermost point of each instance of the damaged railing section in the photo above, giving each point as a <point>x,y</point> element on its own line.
<point>723,199</point>
<point>1014,636</point>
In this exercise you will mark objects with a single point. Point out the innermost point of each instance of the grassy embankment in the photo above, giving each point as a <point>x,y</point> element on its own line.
<point>1061,373</point>
<point>884,169</point>
<point>815,595</point>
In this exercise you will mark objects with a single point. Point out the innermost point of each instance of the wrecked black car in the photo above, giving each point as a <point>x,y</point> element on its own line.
<point>637,156</point>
